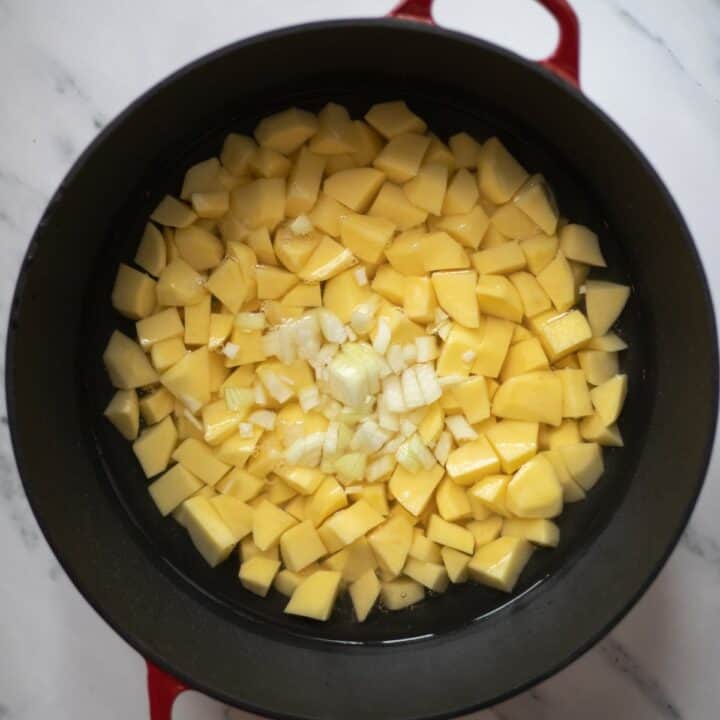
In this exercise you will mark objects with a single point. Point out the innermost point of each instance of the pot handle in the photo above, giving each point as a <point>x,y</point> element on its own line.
<point>565,59</point>
<point>162,691</point>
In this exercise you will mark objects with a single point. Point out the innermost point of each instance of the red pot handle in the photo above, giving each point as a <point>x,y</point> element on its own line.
<point>162,691</point>
<point>565,60</point>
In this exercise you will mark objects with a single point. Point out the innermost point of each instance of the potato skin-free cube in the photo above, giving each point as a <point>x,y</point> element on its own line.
<point>496,296</point>
<point>179,284</point>
<point>536,200</point>
<point>210,535</point>
<point>432,575</point>
<point>419,302</point>
<point>576,396</point>
<point>414,490</point>
<point>257,574</point>
<point>389,283</point>
<point>401,593</point>
<point>539,531</point>
<point>581,244</point>
<point>487,530</point>
<point>199,459</point>
<point>315,596</point>
<point>468,229</point>
<point>557,280</point>
<point>189,379</point>
<point>151,254</point>
<point>499,563</point>
<point>366,237</point>
<point>592,429</point>
<point>452,501</point>
<point>124,413</point>
<point>400,159</point>
<point>200,249</point>
<point>286,131</point>
<point>584,461</point>
<point>364,593</point>
<point>328,498</point>
<point>599,366</point>
<point>539,251</point>
<point>393,204</point>
<point>300,546</point>
<point>608,398</point>
<point>172,488</point>
<point>534,491</point>
<point>394,118</point>
<point>461,195</point>
<point>155,445</point>
<point>450,535</point>
<point>173,213</point>
<point>499,173</point>
<point>441,252</point>
<point>524,357</point>
<point>351,523</point>
<point>427,189</point>
<point>512,223</point>
<point>260,203</point>
<point>355,188</point>
<point>133,294</point>
<point>534,397</point>
<point>160,326</point>
<point>391,543</point>
<point>534,298</point>
<point>604,302</point>
<point>514,441</point>
<point>269,523</point>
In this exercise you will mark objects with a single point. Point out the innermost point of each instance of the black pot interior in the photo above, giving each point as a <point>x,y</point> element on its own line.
<point>82,477</point>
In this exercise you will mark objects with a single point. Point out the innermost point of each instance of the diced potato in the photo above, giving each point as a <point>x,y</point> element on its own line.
<point>327,260</point>
<point>269,523</point>
<point>285,131</point>
<point>491,491</point>
<point>364,593</point>
<point>293,251</point>
<point>405,253</point>
<point>189,379</point>
<point>465,150</point>
<point>368,144</point>
<point>594,430</point>
<point>303,296</point>
<point>608,398</point>
<point>211,205</point>
<point>584,461</point>
<point>539,251</point>
<point>557,280</point>
<point>268,163</point>
<point>126,363</point>
<point>326,215</point>
<point>328,498</point>
<point>394,118</point>
<point>389,283</point>
<point>496,296</point>
<point>607,343</point>
<point>539,531</point>
<point>236,152</point>
<point>287,581</point>
<point>534,397</point>
<point>534,299</point>
<point>156,406</point>
<point>173,213</point>
<point>366,237</point>
<point>535,491</point>
<point>197,322</point>
<point>278,492</point>
<point>441,252</point>
<point>414,490</point>
<point>604,301</point>
<point>456,564</point>
<point>400,159</point>
<point>210,535</point>
<point>499,563</point>
<point>432,575</point>
<point>450,535</point>
<point>486,530</point>
<point>393,204</point>
<point>468,229</point>
<point>355,188</point>
<point>452,501</point>
<point>493,348</point>
<point>151,254</point>
<point>351,523</point>
<point>501,260</point>
<point>236,514</point>
<point>133,294</point>
<point>200,249</point>
<point>160,326</point>
<point>536,200</point>
<point>599,366</point>
<point>561,334</point>
<point>567,433</point>
<point>124,413</point>
<point>524,357</point>
<point>198,458</point>
<point>572,492</point>
<point>427,189</point>
<point>579,243</point>
<point>512,223</point>
<point>315,596</point>
<point>419,303</point>
<point>260,203</point>
<point>391,543</point>
<point>461,195</point>
<point>179,284</point>
<point>300,546</point>
<point>240,484</point>
<point>219,422</point>
<point>576,395</point>
<point>514,441</point>
<point>424,549</point>
<point>257,574</point>
<point>455,292</point>
<point>500,175</point>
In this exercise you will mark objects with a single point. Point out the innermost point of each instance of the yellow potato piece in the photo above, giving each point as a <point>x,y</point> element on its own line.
<point>405,253</point>
<point>524,357</point>
<point>389,283</point>
<point>533,397</point>
<point>534,299</point>
<point>123,411</point>
<point>535,491</point>
<point>461,195</point>
<point>293,251</point>
<point>394,118</point>
<point>493,348</point>
<point>368,144</point>
<point>501,260</point>
<point>328,498</point>
<point>491,491</point>
<point>268,163</point>
<point>179,284</point>
<point>496,296</point>
<point>236,152</point>
<point>269,523</point>
<point>336,134</point>
<point>326,215</point>
<point>432,575</point>
<point>610,342</point>
<point>351,523</point>
<point>355,188</point>
<point>198,458</point>
<point>189,379</point>
<point>393,204</point>
<point>499,563</point>
<point>439,152</point>
<point>486,530</point>
<point>155,445</point>
<point>512,223</point>
<point>561,334</point>
<point>401,593</point>
<point>197,322</point>
<point>199,248</point>
<point>240,484</point>
<point>211,205</point>
<point>539,531</point>
<point>257,574</point>
<point>608,399</point>
<point>414,490</point>
<point>536,200</point>
<point>450,535</point>
<point>236,514</point>
<point>599,366</point>
<point>126,363</point>
<point>576,395</point>
<point>400,159</point>
<point>427,189</point>
<point>441,252</point>
<point>465,150</point>
<point>342,294</point>
<point>539,251</point>
<point>455,292</point>
<point>472,461</point>
<point>260,203</point>
<point>133,294</point>
<point>366,237</point>
<point>315,596</point>
<point>452,501</point>
<point>584,462</point>
<point>273,283</point>
<point>173,213</point>
<point>594,430</point>
<point>151,254</point>
<point>364,593</point>
<point>166,353</point>
<point>300,546</point>
<point>557,280</point>
<point>514,441</point>
<point>579,243</point>
<point>210,535</point>
<point>391,543</point>
<point>327,260</point>
<point>419,303</point>
<point>285,131</point>
<point>424,549</point>
<point>172,488</point>
<point>156,405</point>
<point>456,564</point>
<point>572,492</point>
<point>499,173</point>
<point>604,301</point>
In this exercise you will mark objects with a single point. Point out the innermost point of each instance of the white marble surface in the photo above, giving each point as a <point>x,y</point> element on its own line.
<point>66,68</point>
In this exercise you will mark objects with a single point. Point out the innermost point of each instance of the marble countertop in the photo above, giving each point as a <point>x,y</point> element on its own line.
<point>67,68</point>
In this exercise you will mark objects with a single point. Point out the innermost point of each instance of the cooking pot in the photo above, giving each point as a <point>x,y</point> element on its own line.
<point>472,646</point>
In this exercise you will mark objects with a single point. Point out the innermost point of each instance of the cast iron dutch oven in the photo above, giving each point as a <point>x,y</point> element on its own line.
<point>472,646</point>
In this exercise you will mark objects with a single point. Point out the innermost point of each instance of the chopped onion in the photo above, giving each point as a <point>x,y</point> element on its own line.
<point>330,443</point>
<point>264,419</point>
<point>332,327</point>
<point>448,380</point>
<point>386,419</point>
<point>444,330</point>
<point>361,277</point>
<point>245,429</point>
<point>231,350</point>
<point>442,447</point>
<point>368,438</point>
<point>287,351</point>
<point>306,451</point>
<point>460,428</point>
<point>440,315</point>
<point>393,394</point>
<point>421,452</point>
<point>352,336</point>
<point>238,399</point>
<point>362,319</point>
<point>275,385</point>
<point>381,468</point>
<point>309,397</point>
<point>426,348</point>
<point>411,389</point>
<point>271,343</point>
<point>392,445</point>
<point>407,428</point>
<point>307,336</point>
<point>260,394</point>
<point>409,353</point>
<point>407,458</point>
<point>383,335</point>
<point>331,409</point>
<point>351,467</point>
<point>301,225</point>
<point>395,358</point>
<point>250,321</point>
<point>427,379</point>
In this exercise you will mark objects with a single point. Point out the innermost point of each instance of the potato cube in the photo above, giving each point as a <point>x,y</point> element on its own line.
<point>326,215</point>
<point>240,484</point>
<point>315,596</point>
<point>419,302</point>
<point>257,574</point>
<point>201,177</point>
<point>200,249</point>
<point>133,294</point>
<point>405,253</point>
<point>557,280</point>
<point>173,213</point>
<point>465,150</point>
<point>461,195</point>
<point>534,397</point>
<point>496,296</point>
<point>151,254</point>
<point>579,243</point>
<point>211,205</point>
<point>536,200</point>
<point>608,398</point>
<point>524,357</point>
<point>499,173</point>
<point>599,366</point>
<point>424,549</point>
<point>594,430</point>
<point>493,349</point>
<point>156,406</point>
<point>514,441</point>
<point>179,284</point>
<point>327,260</point>
<point>366,237</point>
<point>450,535</point>
<point>572,492</point>
<point>441,252</point>
<point>400,159</point>
<point>123,412</point>
<point>300,546</point>
<point>492,492</point>
<point>268,163</point>
<point>229,284</point>
<point>286,131</point>
<point>260,203</point>
<point>287,581</point>
<point>561,334</point>
<point>336,134</point>
<point>236,514</point>
<point>364,593</point>
<point>273,283</point>
<point>539,531</point>
<point>355,188</point>
<point>329,497</point>
<point>358,559</point>
<point>512,223</point>
<point>155,445</point>
<point>197,322</point>
<point>393,204</point>
<point>368,144</point>
<point>472,396</point>
<point>303,296</point>
<point>487,530</point>
<point>535,491</point>
<point>293,251</point>
<point>539,251</point>
<point>349,524</point>
<point>199,459</point>
<point>567,433</point>
<point>534,299</point>
<point>431,575</point>
<point>160,326</point>
<point>468,229</point>
<point>610,342</point>
<point>236,153</point>
<point>584,461</point>
<point>455,564</point>
<point>499,563</point>
<point>576,396</point>
<point>389,283</point>
<point>391,543</point>
<point>427,189</point>
<point>189,379</point>
<point>501,260</point>
<point>210,535</point>
<point>604,302</point>
<point>394,118</point>
<point>269,523</point>
<point>452,501</point>
<point>414,490</point>
<point>401,593</point>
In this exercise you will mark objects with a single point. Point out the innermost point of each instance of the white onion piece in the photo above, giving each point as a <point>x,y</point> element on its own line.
<point>264,419</point>
<point>368,438</point>
<point>426,348</point>
<point>361,277</point>
<point>331,326</point>
<point>443,447</point>
<point>460,428</point>
<point>301,225</point>
<point>411,389</point>
<point>409,353</point>
<point>230,350</point>
<point>393,394</point>
<point>245,429</point>
<point>250,321</point>
<point>407,428</point>
<point>380,468</point>
<point>395,358</point>
<point>429,386</point>
<point>276,386</point>
<point>306,451</point>
<point>383,336</point>
<point>309,398</point>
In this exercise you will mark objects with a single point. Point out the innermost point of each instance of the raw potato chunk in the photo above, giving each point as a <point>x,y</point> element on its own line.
<point>336,134</point>
<point>364,593</point>
<point>401,593</point>
<point>392,204</point>
<point>492,350</point>
<point>452,501</point>
<point>524,357</point>
<point>534,397</point>
<point>199,248</point>
<point>391,544</point>
<point>461,195</point>
<point>236,152</point>
<point>199,459</point>
<point>354,188</point>
<point>179,284</point>
<point>400,159</point>
<point>304,183</point>
<point>269,523</point>
<point>427,189</point>
<point>594,430</point>
<point>432,575</point>
<point>541,532</point>
<point>300,546</point>
<point>576,395</point>
<point>534,491</point>
<point>413,490</point>
<point>210,535</point>
<point>455,292</point>
<point>607,343</point>
<point>257,574</point>
<point>126,363</point>
<point>172,488</point>
<point>473,399</point>
<point>285,131</point>
<point>562,334</point>
<point>173,213</point>
<point>496,296</point>
<point>514,441</point>
<point>581,244</point>
<point>598,366</point>
<point>133,294</point>
<point>394,118</point>
<point>499,173</point>
<point>468,229</point>
<point>327,260</point>
<point>368,144</point>
<point>609,398</point>
<point>465,150</point>
<point>189,379</point>
<point>350,524</point>
<point>315,596</point>
<point>456,564</point>
<point>557,280</point>
<point>260,203</point>
<point>539,251</point>
<point>487,529</point>
<point>123,411</point>
<point>472,461</point>
<point>492,493</point>
<point>604,302</point>
<point>366,237</point>
<point>499,563</point>
<point>500,260</point>
<point>534,299</point>
<point>236,514</point>
<point>512,223</point>
<point>151,254</point>
<point>584,461</point>
<point>441,252</point>
<point>536,200</point>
